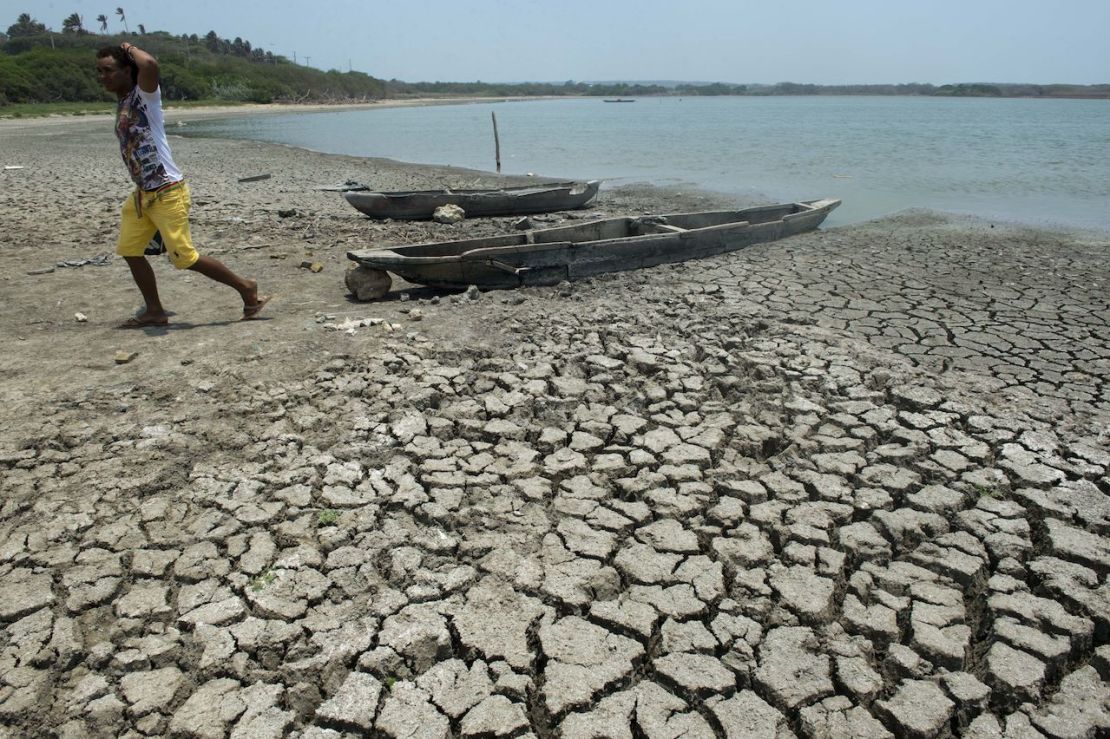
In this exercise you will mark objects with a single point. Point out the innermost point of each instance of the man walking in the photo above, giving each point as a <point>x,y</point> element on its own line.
<point>160,203</point>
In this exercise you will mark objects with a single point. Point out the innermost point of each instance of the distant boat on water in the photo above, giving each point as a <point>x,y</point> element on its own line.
<point>619,100</point>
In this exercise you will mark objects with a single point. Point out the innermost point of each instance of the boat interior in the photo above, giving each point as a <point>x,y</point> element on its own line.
<point>610,228</point>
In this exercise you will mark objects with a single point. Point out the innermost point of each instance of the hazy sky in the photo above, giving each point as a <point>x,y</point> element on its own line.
<point>819,41</point>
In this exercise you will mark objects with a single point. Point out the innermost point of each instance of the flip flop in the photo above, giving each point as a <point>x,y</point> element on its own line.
<point>144,323</point>
<point>250,312</point>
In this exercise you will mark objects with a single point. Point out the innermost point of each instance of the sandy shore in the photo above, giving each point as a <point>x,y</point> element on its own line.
<point>854,483</point>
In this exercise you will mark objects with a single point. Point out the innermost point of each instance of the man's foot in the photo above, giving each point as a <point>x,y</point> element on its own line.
<point>251,310</point>
<point>146,320</point>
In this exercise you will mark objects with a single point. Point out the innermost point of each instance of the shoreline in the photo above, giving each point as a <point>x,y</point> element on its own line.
<point>183,116</point>
<point>186,114</point>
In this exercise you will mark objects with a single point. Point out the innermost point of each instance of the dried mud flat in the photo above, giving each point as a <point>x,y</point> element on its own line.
<point>851,484</point>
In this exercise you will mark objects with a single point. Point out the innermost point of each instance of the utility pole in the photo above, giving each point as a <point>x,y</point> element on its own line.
<point>308,61</point>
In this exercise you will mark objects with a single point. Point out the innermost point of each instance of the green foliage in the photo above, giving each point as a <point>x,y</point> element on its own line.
<point>25,25</point>
<point>262,581</point>
<point>39,67</point>
<point>49,75</point>
<point>969,90</point>
<point>327,517</point>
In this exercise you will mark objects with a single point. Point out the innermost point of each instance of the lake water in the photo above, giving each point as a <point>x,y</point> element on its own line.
<point>1043,162</point>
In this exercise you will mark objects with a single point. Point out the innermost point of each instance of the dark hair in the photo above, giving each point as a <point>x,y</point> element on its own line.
<point>122,59</point>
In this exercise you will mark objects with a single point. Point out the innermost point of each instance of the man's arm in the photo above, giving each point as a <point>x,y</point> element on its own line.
<point>147,64</point>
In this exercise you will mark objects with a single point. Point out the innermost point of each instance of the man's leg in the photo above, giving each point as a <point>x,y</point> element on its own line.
<point>143,274</point>
<point>214,269</point>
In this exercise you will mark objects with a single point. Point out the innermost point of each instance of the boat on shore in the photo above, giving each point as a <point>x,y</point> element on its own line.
<point>551,255</point>
<point>503,201</point>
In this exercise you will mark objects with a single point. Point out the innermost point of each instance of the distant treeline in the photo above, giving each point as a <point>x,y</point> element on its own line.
<point>397,88</point>
<point>38,65</point>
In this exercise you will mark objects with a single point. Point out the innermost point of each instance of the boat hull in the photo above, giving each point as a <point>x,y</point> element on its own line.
<point>420,205</point>
<point>549,256</point>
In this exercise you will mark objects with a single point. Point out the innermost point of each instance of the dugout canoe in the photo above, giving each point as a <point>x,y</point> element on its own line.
<point>551,255</point>
<point>504,201</point>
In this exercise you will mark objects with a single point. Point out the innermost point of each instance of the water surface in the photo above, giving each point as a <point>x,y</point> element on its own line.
<point>1034,161</point>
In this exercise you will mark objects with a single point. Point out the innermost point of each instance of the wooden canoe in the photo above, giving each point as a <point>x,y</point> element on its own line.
<point>548,256</point>
<point>505,201</point>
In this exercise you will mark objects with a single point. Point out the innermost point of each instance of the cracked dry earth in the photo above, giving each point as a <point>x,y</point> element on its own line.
<point>852,484</point>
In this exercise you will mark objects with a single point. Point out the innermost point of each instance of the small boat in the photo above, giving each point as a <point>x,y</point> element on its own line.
<point>619,100</point>
<point>504,201</point>
<point>551,255</point>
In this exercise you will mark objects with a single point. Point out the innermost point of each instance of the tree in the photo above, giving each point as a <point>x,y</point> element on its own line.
<point>142,30</point>
<point>25,25</point>
<point>103,21</point>
<point>73,24</point>
<point>123,19</point>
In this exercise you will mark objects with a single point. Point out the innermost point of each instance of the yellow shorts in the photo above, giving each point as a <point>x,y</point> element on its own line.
<point>165,211</point>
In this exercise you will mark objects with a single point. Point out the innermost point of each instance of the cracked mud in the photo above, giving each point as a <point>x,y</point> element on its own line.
<point>851,484</point>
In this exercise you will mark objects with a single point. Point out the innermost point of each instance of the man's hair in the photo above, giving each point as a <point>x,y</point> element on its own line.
<point>122,59</point>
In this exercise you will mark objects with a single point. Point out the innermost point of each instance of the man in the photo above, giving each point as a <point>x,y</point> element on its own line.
<point>160,203</point>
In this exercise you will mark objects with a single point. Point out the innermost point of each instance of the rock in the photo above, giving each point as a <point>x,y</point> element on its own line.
<point>122,357</point>
<point>312,266</point>
<point>747,716</point>
<point>1015,675</point>
<point>407,713</point>
<point>1079,709</point>
<point>80,317</point>
<point>454,688</point>
<point>805,593</point>
<point>495,622</point>
<point>610,718</point>
<point>263,719</point>
<point>1070,543</point>
<point>24,593</point>
<point>919,709</point>
<point>695,674</point>
<point>366,283</point>
<point>790,668</point>
<point>418,634</point>
<point>661,713</point>
<point>354,705</point>
<point>583,659</point>
<point>495,716</point>
<point>209,710</point>
<point>836,717</point>
<point>151,691</point>
<point>859,678</point>
<point>449,213</point>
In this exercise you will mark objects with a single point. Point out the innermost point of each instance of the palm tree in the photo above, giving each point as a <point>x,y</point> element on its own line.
<point>73,24</point>
<point>123,18</point>
<point>25,25</point>
<point>103,21</point>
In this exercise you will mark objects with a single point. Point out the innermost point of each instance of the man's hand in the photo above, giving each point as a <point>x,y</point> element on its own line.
<point>147,64</point>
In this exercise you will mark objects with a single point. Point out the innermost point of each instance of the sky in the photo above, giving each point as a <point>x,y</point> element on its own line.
<point>739,41</point>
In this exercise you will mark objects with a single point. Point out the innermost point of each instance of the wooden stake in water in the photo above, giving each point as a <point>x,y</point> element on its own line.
<point>496,141</point>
